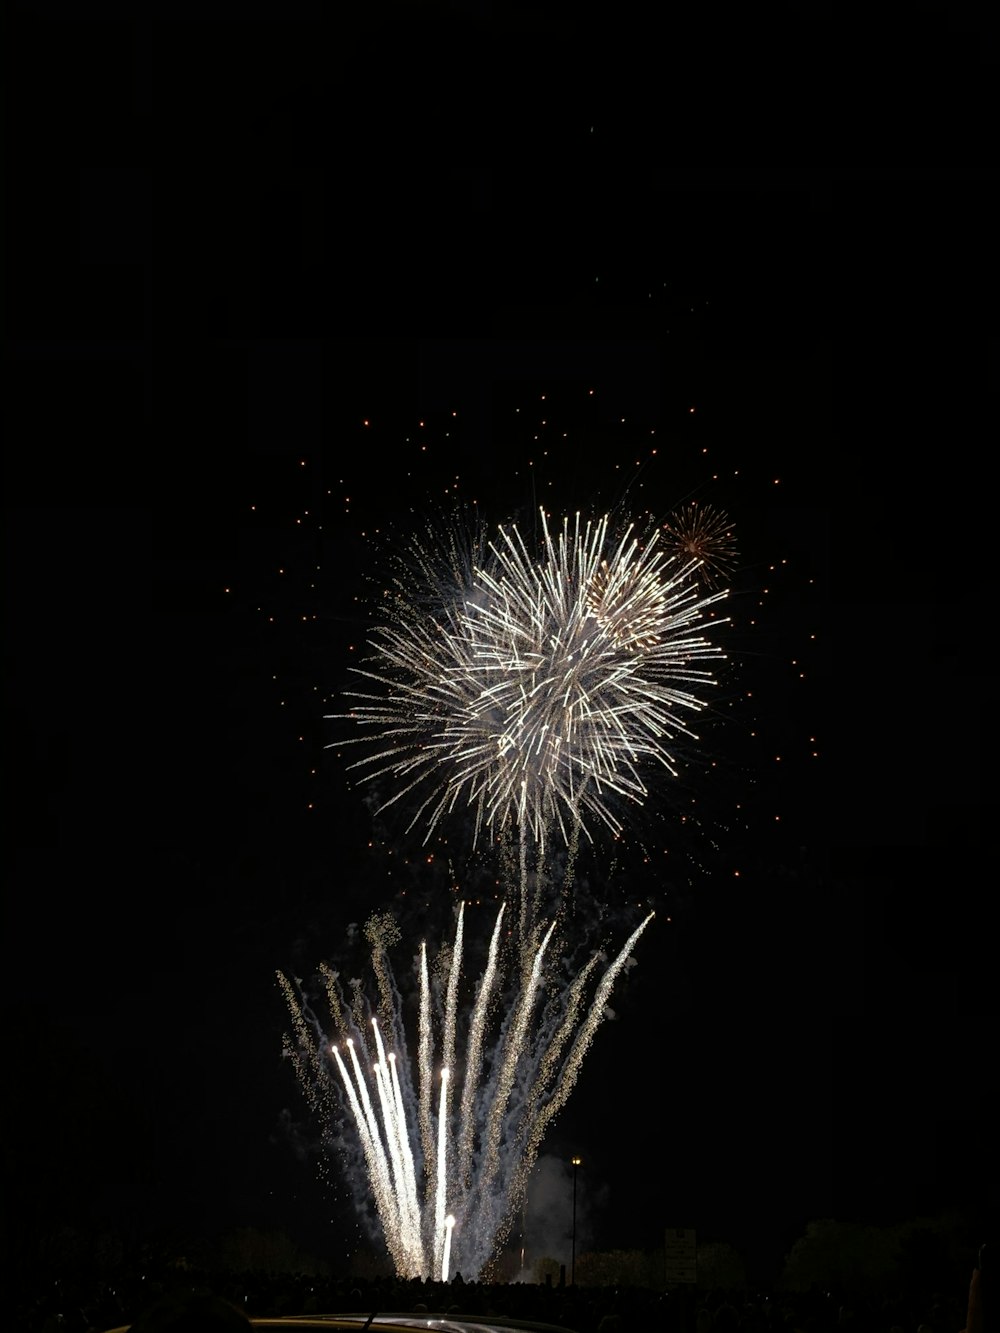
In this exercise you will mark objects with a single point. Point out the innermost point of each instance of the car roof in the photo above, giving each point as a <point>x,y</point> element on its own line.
<point>437,1321</point>
<point>432,1321</point>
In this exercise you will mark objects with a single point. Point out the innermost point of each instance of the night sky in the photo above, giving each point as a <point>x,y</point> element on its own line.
<point>192,520</point>
<point>797,1041</point>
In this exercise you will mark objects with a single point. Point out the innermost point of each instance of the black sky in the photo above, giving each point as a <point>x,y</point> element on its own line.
<point>805,1041</point>
<point>800,1042</point>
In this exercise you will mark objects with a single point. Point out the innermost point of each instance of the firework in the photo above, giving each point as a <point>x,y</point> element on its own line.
<point>701,532</point>
<point>538,688</point>
<point>448,1170</point>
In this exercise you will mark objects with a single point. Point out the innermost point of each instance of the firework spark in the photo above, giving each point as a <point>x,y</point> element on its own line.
<point>535,689</point>
<point>701,532</point>
<point>448,1174</point>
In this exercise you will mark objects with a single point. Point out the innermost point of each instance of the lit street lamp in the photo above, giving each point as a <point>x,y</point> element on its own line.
<point>572,1267</point>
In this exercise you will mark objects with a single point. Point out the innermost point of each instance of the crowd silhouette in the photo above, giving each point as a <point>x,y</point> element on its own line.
<point>199,1302</point>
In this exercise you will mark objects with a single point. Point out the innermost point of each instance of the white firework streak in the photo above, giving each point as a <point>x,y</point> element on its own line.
<point>425,1064</point>
<point>510,1058</point>
<point>535,690</point>
<point>584,1036</point>
<point>474,1056</point>
<point>475,1161</point>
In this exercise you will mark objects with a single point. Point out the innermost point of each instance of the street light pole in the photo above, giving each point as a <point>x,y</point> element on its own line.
<point>572,1267</point>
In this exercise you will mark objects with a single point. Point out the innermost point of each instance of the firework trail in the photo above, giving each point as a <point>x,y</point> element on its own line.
<point>535,690</point>
<point>448,1178</point>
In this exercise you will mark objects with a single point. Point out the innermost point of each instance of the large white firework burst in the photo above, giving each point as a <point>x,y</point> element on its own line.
<point>534,688</point>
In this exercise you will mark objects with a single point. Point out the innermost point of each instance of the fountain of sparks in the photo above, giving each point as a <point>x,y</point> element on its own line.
<point>447,1147</point>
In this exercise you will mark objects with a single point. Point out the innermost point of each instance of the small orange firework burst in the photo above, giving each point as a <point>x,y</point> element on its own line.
<point>703,533</point>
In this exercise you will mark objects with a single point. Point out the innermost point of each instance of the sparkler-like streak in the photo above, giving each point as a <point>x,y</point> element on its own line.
<point>535,689</point>
<point>447,1185</point>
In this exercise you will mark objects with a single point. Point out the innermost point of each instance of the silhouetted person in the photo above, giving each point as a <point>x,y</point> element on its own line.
<point>726,1318</point>
<point>191,1312</point>
<point>975,1319</point>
